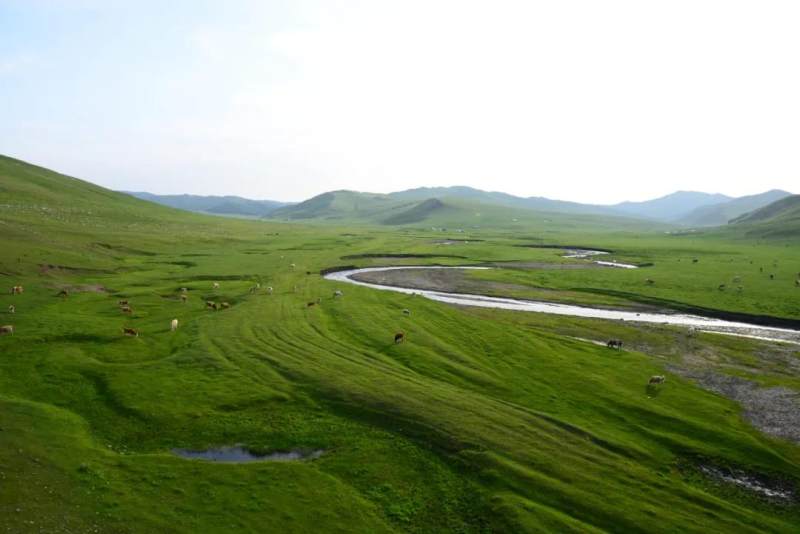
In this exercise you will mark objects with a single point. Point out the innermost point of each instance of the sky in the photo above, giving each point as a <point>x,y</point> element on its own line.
<point>579,100</point>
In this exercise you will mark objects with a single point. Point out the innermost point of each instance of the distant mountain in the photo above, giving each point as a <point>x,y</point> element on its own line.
<point>779,220</point>
<point>785,209</point>
<point>218,205</point>
<point>719,214</point>
<point>672,207</point>
<point>504,199</point>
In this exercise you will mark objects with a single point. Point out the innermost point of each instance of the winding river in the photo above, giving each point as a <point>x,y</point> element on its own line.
<point>697,322</point>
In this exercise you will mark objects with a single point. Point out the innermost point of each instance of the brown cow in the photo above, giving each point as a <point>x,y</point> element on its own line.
<point>123,303</point>
<point>657,379</point>
<point>211,304</point>
<point>7,329</point>
<point>130,332</point>
<point>399,337</point>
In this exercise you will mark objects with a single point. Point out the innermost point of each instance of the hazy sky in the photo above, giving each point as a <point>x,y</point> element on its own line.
<point>595,101</point>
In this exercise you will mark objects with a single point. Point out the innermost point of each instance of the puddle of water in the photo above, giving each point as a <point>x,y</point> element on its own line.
<point>708,324</point>
<point>748,482</point>
<point>240,454</point>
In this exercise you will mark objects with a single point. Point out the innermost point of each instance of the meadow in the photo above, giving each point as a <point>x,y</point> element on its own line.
<point>482,421</point>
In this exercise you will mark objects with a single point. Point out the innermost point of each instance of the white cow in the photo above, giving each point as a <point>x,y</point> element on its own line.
<point>216,285</point>
<point>174,325</point>
<point>337,294</point>
<point>6,329</point>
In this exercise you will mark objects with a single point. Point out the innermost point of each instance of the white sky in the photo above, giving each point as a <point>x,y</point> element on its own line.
<point>594,101</point>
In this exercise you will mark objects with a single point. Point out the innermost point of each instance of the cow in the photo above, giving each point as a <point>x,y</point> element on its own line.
<point>64,293</point>
<point>253,289</point>
<point>215,285</point>
<point>292,265</point>
<point>126,309</point>
<point>614,344</point>
<point>399,337</point>
<point>337,294</point>
<point>210,304</point>
<point>649,282</point>
<point>12,309</point>
<point>310,304</point>
<point>269,290</point>
<point>184,290</point>
<point>691,331</point>
<point>225,305</point>
<point>797,283</point>
<point>184,298</point>
<point>7,329</point>
<point>657,379</point>
<point>17,290</point>
<point>174,325</point>
<point>695,260</point>
<point>130,332</point>
<point>124,303</point>
<point>721,287</point>
<point>406,311</point>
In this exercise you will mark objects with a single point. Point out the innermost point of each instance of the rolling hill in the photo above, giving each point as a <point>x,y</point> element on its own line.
<point>672,207</point>
<point>216,205</point>
<point>719,214</point>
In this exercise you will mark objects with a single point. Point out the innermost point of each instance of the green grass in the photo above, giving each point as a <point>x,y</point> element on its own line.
<point>482,421</point>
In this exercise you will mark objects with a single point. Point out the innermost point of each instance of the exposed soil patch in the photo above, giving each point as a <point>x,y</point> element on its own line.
<point>240,454</point>
<point>84,288</point>
<point>566,247</point>
<point>774,411</point>
<point>46,268</point>
<point>542,265</point>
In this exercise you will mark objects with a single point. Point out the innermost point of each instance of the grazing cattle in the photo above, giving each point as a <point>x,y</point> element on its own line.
<point>406,311</point>
<point>310,304</point>
<point>269,290</point>
<point>225,305</point>
<point>173,325</point>
<point>7,329</point>
<point>12,309</point>
<point>399,337</point>
<point>657,379</point>
<point>126,309</point>
<point>649,282</point>
<point>308,272</point>
<point>184,298</point>
<point>614,344</point>
<point>337,294</point>
<point>797,283</point>
<point>64,293</point>
<point>253,289</point>
<point>124,303</point>
<point>215,285</point>
<point>211,304</point>
<point>258,285</point>
<point>17,290</point>
<point>695,260</point>
<point>721,287</point>
<point>292,266</point>
<point>691,332</point>
<point>184,290</point>
<point>130,332</point>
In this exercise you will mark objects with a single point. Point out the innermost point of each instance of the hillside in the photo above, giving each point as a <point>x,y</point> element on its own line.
<point>218,205</point>
<point>482,420</point>
<point>672,207</point>
<point>721,213</point>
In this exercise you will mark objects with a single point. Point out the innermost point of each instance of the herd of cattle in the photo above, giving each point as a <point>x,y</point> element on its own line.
<point>125,307</point>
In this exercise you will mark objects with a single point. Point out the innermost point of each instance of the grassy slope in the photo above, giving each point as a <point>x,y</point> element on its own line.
<point>481,421</point>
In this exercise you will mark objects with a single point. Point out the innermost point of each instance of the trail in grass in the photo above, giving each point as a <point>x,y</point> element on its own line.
<point>466,299</point>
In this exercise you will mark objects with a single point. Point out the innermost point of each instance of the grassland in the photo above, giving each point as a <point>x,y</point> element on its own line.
<point>482,421</point>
